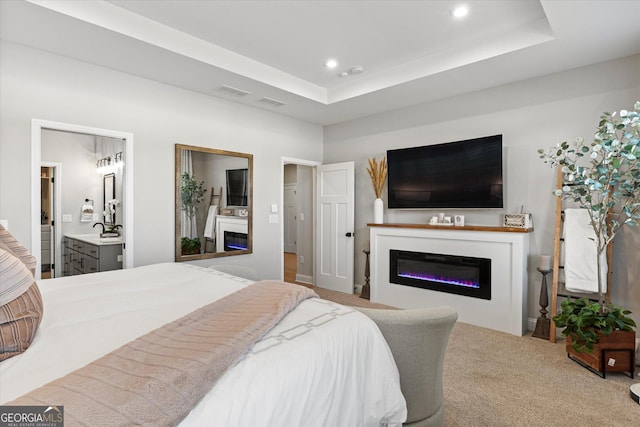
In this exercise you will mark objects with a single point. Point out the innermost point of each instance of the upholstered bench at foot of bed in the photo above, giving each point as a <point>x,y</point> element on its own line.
<point>418,339</point>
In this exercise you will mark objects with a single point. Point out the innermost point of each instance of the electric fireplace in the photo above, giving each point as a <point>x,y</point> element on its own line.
<point>234,241</point>
<point>453,274</point>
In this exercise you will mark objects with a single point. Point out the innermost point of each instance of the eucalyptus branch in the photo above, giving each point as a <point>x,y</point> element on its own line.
<point>603,176</point>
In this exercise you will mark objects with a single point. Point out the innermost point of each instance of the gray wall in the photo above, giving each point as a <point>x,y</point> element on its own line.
<point>76,154</point>
<point>532,114</point>
<point>35,84</point>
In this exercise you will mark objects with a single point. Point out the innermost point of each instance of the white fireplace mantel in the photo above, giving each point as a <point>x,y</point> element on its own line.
<point>229,223</point>
<point>506,247</point>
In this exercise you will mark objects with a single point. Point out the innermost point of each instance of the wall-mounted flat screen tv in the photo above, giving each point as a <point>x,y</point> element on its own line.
<point>461,174</point>
<point>237,187</point>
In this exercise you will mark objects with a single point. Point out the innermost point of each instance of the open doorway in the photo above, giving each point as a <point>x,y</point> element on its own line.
<point>46,147</point>
<point>48,223</point>
<point>50,214</point>
<point>298,207</point>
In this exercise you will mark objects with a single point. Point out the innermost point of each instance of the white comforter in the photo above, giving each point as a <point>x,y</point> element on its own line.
<point>323,365</point>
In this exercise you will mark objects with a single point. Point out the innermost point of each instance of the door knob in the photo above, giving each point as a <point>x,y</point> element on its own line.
<point>350,234</point>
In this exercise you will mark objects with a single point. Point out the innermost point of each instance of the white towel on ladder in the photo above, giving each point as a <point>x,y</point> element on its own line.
<point>210,226</point>
<point>580,253</point>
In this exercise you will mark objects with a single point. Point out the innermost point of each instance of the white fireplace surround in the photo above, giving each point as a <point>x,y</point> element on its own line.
<point>507,249</point>
<point>229,223</point>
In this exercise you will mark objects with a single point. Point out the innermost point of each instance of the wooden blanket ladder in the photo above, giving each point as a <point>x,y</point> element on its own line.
<point>558,289</point>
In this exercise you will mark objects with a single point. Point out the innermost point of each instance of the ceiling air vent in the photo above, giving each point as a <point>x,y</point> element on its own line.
<point>272,102</point>
<point>229,90</point>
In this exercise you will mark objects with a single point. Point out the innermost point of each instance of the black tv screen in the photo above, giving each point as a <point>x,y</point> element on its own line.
<point>461,174</point>
<point>237,187</point>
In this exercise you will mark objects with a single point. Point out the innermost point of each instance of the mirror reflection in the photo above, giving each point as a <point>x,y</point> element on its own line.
<point>213,203</point>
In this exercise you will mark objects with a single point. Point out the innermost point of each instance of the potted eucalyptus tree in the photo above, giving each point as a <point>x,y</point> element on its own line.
<point>192,194</point>
<point>602,177</point>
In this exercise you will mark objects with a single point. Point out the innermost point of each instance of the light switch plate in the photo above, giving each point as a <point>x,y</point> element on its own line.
<point>273,219</point>
<point>67,218</point>
<point>274,207</point>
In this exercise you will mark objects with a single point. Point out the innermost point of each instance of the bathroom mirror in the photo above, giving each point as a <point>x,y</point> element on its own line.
<point>213,203</point>
<point>109,193</point>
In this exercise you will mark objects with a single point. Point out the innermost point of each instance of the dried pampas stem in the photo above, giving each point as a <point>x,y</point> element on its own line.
<point>378,174</point>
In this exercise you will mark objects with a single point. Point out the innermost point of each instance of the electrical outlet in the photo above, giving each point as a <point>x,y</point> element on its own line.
<point>301,259</point>
<point>301,216</point>
<point>67,218</point>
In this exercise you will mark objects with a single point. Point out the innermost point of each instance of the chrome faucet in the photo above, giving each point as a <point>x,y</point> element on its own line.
<point>108,230</point>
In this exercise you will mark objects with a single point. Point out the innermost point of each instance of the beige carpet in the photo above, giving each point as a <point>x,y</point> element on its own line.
<point>496,379</point>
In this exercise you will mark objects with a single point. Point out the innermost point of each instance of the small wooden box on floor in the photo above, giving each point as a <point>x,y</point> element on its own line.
<point>613,353</point>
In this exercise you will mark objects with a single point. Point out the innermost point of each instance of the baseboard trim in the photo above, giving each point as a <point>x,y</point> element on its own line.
<point>303,278</point>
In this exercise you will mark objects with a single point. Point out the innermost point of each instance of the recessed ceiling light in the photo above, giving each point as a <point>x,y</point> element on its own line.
<point>331,63</point>
<point>460,11</point>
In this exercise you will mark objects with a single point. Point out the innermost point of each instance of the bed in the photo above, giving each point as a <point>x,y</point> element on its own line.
<point>322,364</point>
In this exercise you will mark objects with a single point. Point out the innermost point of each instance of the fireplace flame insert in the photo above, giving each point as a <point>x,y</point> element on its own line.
<point>454,274</point>
<point>234,241</point>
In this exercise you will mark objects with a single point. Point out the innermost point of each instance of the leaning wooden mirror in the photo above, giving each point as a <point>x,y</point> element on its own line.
<point>214,203</point>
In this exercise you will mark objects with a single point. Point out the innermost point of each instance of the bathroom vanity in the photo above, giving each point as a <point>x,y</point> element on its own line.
<point>88,253</point>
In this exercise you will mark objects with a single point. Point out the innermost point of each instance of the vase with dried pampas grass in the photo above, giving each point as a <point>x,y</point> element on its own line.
<point>378,174</point>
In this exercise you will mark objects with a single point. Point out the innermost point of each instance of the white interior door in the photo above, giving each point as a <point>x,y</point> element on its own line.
<point>290,223</point>
<point>335,226</point>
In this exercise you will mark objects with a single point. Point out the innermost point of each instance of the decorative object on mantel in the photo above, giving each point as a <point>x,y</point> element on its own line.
<point>378,173</point>
<point>366,288</point>
<point>603,178</point>
<point>441,219</point>
<point>543,323</point>
<point>518,220</point>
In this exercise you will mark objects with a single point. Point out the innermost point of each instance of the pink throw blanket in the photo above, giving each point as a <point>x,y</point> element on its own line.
<point>158,378</point>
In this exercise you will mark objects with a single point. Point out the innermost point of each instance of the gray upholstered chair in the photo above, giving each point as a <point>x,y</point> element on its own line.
<point>418,339</point>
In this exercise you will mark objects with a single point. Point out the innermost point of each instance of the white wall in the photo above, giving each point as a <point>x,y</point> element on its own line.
<point>532,114</point>
<point>35,84</point>
<point>77,157</point>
